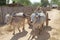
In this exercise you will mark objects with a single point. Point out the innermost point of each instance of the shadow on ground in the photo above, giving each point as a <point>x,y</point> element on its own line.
<point>19,35</point>
<point>44,35</point>
<point>1,25</point>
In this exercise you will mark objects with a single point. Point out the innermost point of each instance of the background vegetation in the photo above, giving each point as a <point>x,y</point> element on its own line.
<point>27,2</point>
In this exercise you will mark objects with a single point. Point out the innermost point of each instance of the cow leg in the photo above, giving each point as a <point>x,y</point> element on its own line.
<point>32,37</point>
<point>29,22</point>
<point>42,26</point>
<point>23,25</point>
<point>14,31</point>
<point>40,29</point>
<point>29,37</point>
<point>19,29</point>
<point>23,28</point>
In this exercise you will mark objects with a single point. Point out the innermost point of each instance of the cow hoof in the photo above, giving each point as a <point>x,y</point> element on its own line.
<point>19,31</point>
<point>32,37</point>
<point>13,33</point>
<point>23,29</point>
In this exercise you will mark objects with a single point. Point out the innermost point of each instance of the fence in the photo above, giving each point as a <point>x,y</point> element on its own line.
<point>15,9</point>
<point>6,9</point>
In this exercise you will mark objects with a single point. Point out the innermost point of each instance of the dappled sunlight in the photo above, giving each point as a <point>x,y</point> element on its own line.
<point>52,32</point>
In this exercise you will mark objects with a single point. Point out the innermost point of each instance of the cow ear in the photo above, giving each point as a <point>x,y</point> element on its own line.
<point>24,15</point>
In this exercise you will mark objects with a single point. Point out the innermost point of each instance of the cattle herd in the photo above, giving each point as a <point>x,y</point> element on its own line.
<point>36,20</point>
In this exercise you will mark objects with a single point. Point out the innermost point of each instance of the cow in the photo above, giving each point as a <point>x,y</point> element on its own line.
<point>38,19</point>
<point>17,20</point>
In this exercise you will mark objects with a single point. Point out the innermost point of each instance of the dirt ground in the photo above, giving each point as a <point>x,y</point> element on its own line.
<point>52,32</point>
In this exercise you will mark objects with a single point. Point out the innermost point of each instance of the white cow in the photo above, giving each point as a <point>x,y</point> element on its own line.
<point>38,20</point>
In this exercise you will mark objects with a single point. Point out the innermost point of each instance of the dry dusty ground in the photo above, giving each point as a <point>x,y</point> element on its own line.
<point>52,32</point>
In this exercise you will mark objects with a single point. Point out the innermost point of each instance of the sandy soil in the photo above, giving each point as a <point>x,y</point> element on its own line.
<point>52,32</point>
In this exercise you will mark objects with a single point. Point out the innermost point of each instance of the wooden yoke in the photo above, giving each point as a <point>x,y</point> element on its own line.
<point>37,8</point>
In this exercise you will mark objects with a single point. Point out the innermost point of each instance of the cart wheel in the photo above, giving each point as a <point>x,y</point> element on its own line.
<point>47,20</point>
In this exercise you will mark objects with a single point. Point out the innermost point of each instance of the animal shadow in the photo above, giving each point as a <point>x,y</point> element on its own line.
<point>44,35</point>
<point>19,35</point>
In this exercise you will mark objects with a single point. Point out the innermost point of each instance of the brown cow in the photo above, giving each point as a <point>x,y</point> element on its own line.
<point>17,22</point>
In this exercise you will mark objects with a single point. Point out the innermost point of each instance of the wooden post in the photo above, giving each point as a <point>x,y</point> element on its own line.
<point>2,15</point>
<point>47,19</point>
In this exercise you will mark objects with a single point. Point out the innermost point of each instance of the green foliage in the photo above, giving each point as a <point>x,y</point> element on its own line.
<point>44,3</point>
<point>54,1</point>
<point>24,2</point>
<point>58,3</point>
<point>2,2</point>
<point>36,4</point>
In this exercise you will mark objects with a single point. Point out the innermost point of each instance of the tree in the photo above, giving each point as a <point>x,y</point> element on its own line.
<point>7,1</point>
<point>54,1</point>
<point>44,3</point>
<point>2,2</point>
<point>24,2</point>
<point>36,4</point>
<point>58,2</point>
